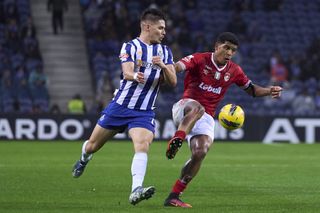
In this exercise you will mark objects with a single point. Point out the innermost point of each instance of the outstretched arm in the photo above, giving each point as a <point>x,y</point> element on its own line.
<point>258,91</point>
<point>179,67</point>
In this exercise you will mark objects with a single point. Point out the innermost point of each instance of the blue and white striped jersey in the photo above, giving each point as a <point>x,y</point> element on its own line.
<point>132,94</point>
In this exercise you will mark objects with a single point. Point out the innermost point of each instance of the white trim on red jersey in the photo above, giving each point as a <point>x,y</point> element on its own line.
<point>217,67</point>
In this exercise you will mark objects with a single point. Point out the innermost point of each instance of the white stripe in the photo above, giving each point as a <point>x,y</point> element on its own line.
<point>123,48</point>
<point>154,100</point>
<point>132,52</point>
<point>124,92</point>
<point>136,54</point>
<point>246,85</point>
<point>140,87</point>
<point>152,88</point>
<point>147,74</point>
<point>124,51</point>
<point>138,50</point>
<point>168,55</point>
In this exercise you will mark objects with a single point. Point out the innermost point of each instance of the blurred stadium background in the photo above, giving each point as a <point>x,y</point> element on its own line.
<point>41,71</point>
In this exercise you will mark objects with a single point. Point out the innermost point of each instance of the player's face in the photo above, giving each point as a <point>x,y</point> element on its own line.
<point>157,31</point>
<point>224,52</point>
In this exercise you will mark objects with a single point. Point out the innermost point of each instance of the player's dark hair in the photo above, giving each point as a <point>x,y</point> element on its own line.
<point>228,36</point>
<point>152,14</point>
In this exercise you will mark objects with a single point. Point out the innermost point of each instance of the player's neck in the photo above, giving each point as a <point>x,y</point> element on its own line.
<point>144,38</point>
<point>217,62</point>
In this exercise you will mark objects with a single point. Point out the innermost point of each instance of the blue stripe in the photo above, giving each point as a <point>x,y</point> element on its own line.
<point>130,94</point>
<point>144,56</point>
<point>164,54</point>
<point>148,83</point>
<point>134,57</point>
<point>128,51</point>
<point>153,96</point>
<point>169,56</point>
<point>135,84</point>
<point>120,90</point>
<point>136,48</point>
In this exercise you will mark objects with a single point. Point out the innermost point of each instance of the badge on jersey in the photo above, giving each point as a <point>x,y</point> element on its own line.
<point>160,53</point>
<point>217,75</point>
<point>139,54</point>
<point>227,76</point>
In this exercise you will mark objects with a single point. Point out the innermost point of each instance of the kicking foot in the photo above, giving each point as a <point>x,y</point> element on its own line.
<point>176,202</point>
<point>173,146</point>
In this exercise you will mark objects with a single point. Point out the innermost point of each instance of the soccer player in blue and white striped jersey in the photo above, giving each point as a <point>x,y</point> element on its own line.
<point>145,64</point>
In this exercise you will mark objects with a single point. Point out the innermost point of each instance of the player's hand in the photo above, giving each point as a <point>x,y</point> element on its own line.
<point>158,61</point>
<point>139,77</point>
<point>275,91</point>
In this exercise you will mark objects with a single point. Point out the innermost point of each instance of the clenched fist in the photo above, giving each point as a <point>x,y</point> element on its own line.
<point>275,91</point>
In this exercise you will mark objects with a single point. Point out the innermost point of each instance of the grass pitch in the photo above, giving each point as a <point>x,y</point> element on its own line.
<point>235,177</point>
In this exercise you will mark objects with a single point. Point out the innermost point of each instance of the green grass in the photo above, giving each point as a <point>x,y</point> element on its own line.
<point>235,177</point>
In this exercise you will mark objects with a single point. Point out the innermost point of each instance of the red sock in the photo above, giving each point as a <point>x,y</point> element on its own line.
<point>180,134</point>
<point>178,187</point>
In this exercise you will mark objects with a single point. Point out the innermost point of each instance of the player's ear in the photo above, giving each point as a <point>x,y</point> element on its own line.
<point>148,25</point>
<point>145,26</point>
<point>216,46</point>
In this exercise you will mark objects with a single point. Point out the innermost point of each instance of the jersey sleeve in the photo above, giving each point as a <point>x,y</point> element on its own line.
<point>168,57</point>
<point>189,62</point>
<point>127,53</point>
<point>242,79</point>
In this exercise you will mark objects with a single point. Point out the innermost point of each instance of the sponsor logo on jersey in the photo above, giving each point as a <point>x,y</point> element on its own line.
<point>102,117</point>
<point>140,63</point>
<point>227,76</point>
<point>124,57</point>
<point>209,88</point>
<point>153,122</point>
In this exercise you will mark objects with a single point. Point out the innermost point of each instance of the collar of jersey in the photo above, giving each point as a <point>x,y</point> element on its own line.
<point>217,67</point>
<point>149,45</point>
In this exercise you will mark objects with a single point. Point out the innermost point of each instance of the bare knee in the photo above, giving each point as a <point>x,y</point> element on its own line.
<point>142,146</point>
<point>92,146</point>
<point>198,154</point>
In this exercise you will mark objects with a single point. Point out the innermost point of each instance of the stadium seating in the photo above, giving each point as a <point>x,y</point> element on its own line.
<point>287,27</point>
<point>19,55</point>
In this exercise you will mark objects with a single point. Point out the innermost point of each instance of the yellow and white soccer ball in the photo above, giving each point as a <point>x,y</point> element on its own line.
<point>231,116</point>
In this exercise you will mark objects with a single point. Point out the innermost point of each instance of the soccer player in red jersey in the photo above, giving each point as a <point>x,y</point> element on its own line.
<point>208,76</point>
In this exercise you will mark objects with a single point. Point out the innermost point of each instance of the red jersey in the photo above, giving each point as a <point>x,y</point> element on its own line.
<point>206,83</point>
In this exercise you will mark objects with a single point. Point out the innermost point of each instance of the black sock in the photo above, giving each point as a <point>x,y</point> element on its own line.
<point>173,195</point>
